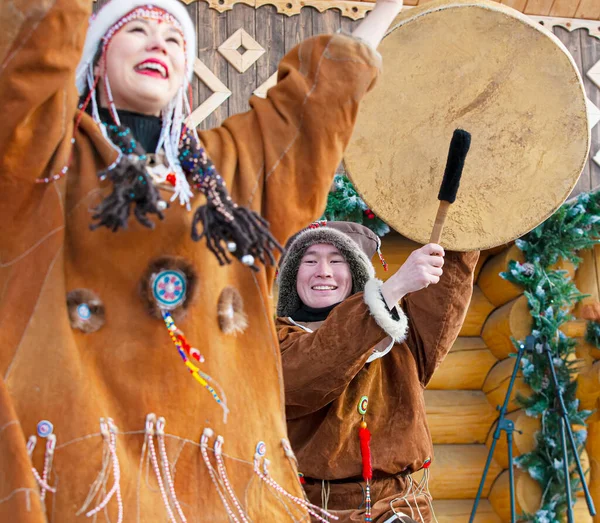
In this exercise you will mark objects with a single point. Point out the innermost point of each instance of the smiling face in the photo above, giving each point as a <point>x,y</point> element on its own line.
<point>324,276</point>
<point>145,65</point>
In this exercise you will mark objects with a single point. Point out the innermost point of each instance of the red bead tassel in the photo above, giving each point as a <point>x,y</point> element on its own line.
<point>365,450</point>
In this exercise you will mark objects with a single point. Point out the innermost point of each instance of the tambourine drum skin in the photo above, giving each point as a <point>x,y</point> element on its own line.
<point>488,69</point>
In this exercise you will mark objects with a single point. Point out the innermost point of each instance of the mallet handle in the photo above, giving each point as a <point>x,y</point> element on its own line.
<point>440,218</point>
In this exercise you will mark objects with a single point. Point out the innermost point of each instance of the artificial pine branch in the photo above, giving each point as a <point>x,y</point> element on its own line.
<point>551,295</point>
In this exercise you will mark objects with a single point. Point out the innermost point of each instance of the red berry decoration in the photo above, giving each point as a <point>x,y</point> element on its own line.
<point>171,179</point>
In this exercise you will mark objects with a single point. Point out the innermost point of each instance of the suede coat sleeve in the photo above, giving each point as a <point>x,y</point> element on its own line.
<point>291,142</point>
<point>436,314</point>
<point>318,366</point>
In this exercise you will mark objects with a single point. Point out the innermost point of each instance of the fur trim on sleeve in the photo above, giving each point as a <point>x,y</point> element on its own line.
<point>397,329</point>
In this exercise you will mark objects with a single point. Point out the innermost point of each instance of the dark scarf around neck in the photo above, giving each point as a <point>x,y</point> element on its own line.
<point>309,314</point>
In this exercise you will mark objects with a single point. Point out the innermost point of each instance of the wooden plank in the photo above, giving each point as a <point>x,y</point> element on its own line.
<point>572,42</point>
<point>465,367</point>
<point>456,471</point>
<point>477,314</point>
<point>511,321</point>
<point>241,84</point>
<point>496,384</point>
<point>538,7</point>
<point>459,511</point>
<point>298,28</point>
<point>211,31</point>
<point>458,416</point>
<point>588,10</point>
<point>563,8</point>
<point>590,56</point>
<point>349,25</point>
<point>528,494</point>
<point>270,34</point>
<point>326,23</point>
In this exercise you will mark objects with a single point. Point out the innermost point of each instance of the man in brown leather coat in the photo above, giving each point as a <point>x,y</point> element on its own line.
<point>345,335</point>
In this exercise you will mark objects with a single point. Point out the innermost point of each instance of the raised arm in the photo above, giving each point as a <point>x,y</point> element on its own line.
<point>37,86</point>
<point>318,366</point>
<point>436,313</point>
<point>292,142</point>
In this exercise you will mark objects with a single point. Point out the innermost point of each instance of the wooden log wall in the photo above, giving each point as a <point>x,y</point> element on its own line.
<point>462,396</point>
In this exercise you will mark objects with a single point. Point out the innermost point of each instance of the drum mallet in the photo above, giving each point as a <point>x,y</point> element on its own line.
<point>459,147</point>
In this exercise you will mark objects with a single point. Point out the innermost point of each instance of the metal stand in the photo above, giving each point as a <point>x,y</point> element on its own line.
<point>566,427</point>
<point>507,426</point>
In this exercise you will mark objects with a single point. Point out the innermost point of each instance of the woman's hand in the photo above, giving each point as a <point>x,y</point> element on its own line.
<point>373,28</point>
<point>422,268</point>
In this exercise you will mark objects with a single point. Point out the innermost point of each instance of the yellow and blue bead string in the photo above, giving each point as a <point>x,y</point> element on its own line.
<point>184,349</point>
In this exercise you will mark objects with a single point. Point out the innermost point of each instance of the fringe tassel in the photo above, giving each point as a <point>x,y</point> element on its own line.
<point>132,187</point>
<point>218,449</point>
<point>162,450</point>
<point>150,421</point>
<point>42,480</point>
<point>109,433</point>
<point>206,435</point>
<point>316,512</point>
<point>227,227</point>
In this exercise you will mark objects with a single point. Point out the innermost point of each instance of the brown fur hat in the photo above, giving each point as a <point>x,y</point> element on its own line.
<point>356,243</point>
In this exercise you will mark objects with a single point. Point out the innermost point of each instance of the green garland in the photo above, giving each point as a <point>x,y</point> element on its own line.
<point>551,294</point>
<point>345,204</point>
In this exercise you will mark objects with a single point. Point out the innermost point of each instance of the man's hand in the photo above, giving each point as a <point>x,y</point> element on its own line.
<point>422,268</point>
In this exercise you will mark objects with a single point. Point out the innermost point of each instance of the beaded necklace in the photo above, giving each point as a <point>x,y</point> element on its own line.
<point>229,229</point>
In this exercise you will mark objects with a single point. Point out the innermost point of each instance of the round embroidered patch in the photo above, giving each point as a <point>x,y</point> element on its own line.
<point>362,405</point>
<point>86,310</point>
<point>44,429</point>
<point>169,289</point>
<point>261,448</point>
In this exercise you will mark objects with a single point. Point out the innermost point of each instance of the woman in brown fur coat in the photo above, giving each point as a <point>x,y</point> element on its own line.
<point>139,369</point>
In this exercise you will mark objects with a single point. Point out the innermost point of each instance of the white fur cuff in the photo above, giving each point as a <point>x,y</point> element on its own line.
<point>397,329</point>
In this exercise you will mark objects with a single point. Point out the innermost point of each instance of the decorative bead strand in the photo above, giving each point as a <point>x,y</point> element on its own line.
<point>184,349</point>
<point>150,420</point>
<point>31,443</point>
<point>162,450</point>
<point>206,435</point>
<point>48,459</point>
<point>108,431</point>
<point>277,487</point>
<point>218,449</point>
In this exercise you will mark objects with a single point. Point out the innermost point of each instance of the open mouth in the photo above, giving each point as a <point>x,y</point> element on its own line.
<point>154,68</point>
<point>324,288</point>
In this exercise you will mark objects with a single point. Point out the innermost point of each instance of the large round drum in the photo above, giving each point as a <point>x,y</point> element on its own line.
<point>488,69</point>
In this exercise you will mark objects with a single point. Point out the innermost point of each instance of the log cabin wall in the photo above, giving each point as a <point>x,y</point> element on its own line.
<point>462,398</point>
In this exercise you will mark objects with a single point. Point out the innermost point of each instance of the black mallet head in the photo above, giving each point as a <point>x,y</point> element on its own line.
<point>459,147</point>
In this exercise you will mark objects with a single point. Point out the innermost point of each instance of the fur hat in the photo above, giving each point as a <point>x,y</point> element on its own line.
<point>113,12</point>
<point>356,243</point>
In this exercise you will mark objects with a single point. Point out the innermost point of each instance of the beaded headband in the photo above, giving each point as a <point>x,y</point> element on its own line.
<point>144,13</point>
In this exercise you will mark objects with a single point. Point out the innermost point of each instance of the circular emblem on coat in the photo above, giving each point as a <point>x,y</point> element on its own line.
<point>169,289</point>
<point>168,284</point>
<point>362,405</point>
<point>86,310</point>
<point>44,429</point>
<point>261,448</point>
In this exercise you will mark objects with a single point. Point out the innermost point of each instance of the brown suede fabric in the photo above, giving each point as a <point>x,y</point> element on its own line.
<point>325,376</point>
<point>278,158</point>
